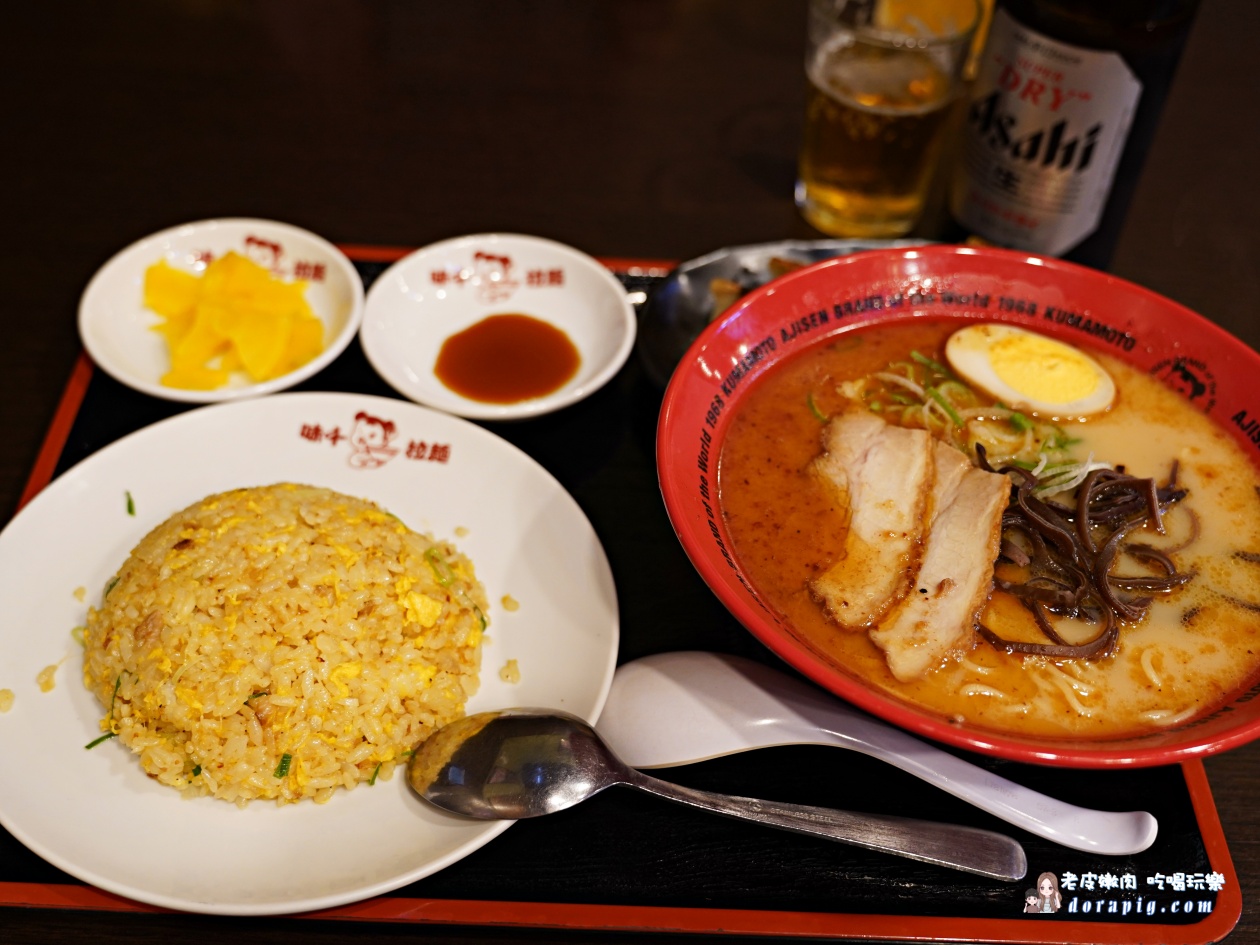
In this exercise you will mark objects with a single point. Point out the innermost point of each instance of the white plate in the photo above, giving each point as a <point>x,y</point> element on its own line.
<point>97,816</point>
<point>117,330</point>
<point>431,294</point>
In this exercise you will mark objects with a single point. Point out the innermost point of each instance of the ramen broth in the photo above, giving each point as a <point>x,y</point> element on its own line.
<point>1196,645</point>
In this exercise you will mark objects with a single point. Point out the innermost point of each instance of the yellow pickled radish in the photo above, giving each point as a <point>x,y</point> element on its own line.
<point>169,291</point>
<point>236,316</point>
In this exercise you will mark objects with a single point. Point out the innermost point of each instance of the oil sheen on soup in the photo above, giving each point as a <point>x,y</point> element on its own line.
<point>1196,643</point>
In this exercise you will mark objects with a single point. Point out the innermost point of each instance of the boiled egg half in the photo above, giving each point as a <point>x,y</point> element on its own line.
<point>1030,372</point>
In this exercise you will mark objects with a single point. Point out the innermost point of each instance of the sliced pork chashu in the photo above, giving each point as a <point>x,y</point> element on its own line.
<point>956,572</point>
<point>884,474</point>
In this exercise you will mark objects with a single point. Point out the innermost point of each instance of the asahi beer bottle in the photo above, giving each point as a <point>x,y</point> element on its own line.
<point>1064,106</point>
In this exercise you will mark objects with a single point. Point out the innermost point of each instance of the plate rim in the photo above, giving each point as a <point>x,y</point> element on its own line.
<point>88,305</point>
<point>479,833</point>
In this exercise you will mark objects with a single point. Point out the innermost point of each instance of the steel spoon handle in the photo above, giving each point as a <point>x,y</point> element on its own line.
<point>964,848</point>
<point>731,704</point>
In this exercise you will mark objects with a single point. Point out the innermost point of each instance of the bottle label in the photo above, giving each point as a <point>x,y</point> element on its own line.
<point>1044,131</point>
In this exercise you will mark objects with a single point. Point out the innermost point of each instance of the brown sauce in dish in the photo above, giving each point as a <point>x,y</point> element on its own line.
<point>504,359</point>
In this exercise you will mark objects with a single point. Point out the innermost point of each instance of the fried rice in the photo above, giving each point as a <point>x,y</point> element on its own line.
<point>281,642</point>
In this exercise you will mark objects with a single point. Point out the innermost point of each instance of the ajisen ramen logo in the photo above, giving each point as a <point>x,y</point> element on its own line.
<point>271,256</point>
<point>494,276</point>
<point>1189,377</point>
<point>1120,896</point>
<point>372,441</point>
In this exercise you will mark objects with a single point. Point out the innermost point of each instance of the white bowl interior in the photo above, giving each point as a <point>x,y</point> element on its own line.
<point>116,328</point>
<point>439,290</point>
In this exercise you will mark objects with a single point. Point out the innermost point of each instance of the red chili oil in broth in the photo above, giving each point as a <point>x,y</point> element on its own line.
<point>1198,645</point>
<point>508,358</point>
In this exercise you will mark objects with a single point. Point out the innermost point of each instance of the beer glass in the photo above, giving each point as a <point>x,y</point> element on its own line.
<point>883,79</point>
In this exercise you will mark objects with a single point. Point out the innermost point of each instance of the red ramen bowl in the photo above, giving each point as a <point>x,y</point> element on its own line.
<point>1216,373</point>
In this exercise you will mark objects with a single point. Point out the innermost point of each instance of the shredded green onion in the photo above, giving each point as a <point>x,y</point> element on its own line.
<point>921,392</point>
<point>131,504</point>
<point>282,769</point>
<point>441,570</point>
<point>945,405</point>
<point>375,772</point>
<point>110,585</point>
<point>1020,422</point>
<point>813,408</point>
<point>931,364</point>
<point>104,738</point>
<point>446,577</point>
<point>956,391</point>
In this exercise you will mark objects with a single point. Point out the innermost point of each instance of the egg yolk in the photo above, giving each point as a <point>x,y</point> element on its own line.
<point>1042,369</point>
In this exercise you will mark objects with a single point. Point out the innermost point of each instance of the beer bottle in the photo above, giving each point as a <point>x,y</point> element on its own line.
<point>1064,106</point>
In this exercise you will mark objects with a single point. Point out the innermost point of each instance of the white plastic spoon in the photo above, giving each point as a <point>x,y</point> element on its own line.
<point>678,708</point>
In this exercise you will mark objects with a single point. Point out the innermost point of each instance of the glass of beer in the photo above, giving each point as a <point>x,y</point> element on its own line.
<point>883,79</point>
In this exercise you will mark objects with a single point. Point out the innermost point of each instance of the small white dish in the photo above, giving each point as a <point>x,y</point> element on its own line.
<point>442,289</point>
<point>116,328</point>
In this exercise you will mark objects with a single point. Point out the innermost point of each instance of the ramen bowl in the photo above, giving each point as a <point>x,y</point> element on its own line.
<point>835,304</point>
<point>118,330</point>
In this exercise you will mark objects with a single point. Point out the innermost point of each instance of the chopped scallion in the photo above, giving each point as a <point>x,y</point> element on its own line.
<point>196,771</point>
<point>375,772</point>
<point>104,738</point>
<point>131,504</point>
<point>441,570</point>
<point>813,408</point>
<point>945,405</point>
<point>282,769</point>
<point>931,365</point>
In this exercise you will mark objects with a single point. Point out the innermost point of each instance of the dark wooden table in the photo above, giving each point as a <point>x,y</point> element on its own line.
<point>629,129</point>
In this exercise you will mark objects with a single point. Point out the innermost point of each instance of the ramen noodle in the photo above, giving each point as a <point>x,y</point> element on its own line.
<point>1195,643</point>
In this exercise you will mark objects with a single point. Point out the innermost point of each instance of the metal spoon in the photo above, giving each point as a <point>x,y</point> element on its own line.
<point>677,708</point>
<point>528,762</point>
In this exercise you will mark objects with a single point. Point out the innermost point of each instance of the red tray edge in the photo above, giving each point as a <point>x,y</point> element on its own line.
<point>653,918</point>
